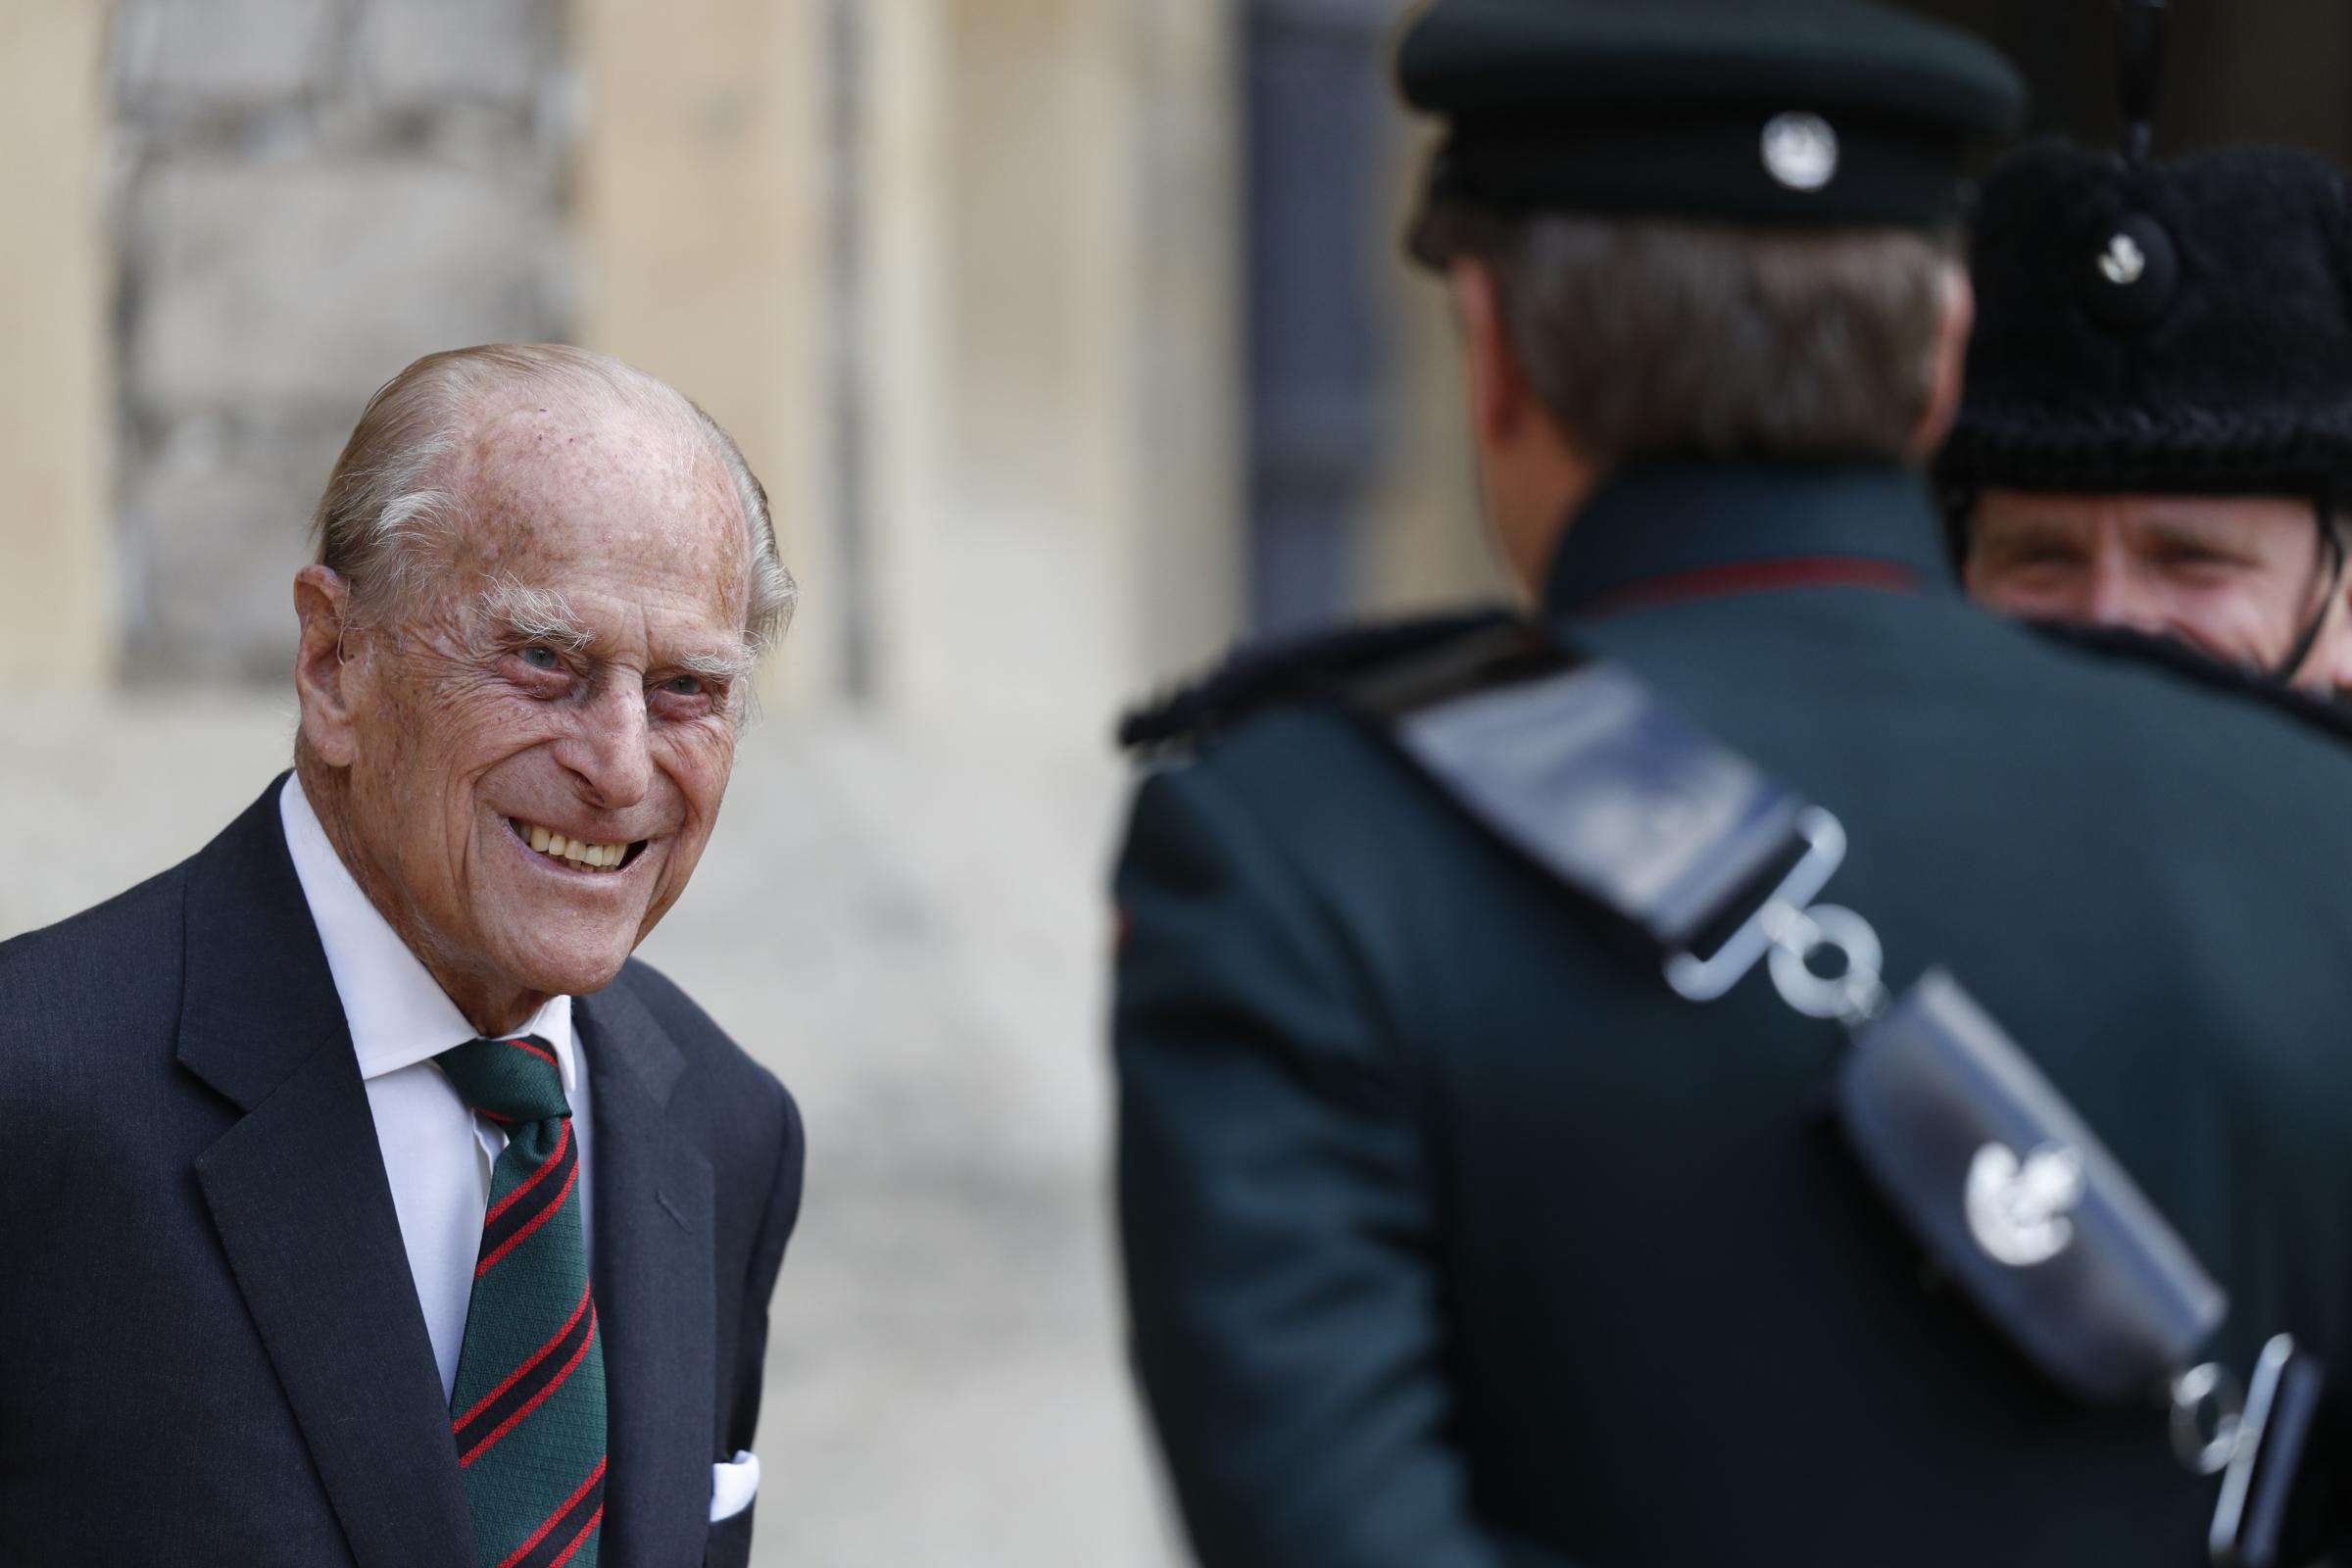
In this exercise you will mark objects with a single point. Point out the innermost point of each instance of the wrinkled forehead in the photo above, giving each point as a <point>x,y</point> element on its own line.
<point>559,490</point>
<point>2186,510</point>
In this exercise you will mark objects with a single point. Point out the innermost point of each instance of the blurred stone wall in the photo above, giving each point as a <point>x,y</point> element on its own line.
<point>56,635</point>
<point>960,275</point>
<point>304,195</point>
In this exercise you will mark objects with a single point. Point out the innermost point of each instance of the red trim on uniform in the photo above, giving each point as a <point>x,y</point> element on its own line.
<point>535,1402</point>
<point>536,1220</point>
<point>554,1158</point>
<point>537,1356</point>
<point>570,1503</point>
<point>1755,577</point>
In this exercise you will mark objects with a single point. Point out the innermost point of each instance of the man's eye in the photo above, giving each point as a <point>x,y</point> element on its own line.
<point>2193,556</point>
<point>540,657</point>
<point>684,686</point>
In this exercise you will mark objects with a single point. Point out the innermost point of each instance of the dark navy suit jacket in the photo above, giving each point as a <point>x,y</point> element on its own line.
<point>210,1351</point>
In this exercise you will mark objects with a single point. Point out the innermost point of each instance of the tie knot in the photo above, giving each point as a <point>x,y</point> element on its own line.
<point>507,1080</point>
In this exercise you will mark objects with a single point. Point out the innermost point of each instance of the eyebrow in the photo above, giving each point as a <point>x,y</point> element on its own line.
<point>726,668</point>
<point>2207,533</point>
<point>2027,533</point>
<point>544,615</point>
<point>535,614</point>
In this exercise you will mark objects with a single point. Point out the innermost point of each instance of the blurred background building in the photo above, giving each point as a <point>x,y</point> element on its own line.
<point>1070,339</point>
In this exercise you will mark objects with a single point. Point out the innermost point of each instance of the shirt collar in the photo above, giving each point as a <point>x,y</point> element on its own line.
<point>1661,519</point>
<point>398,1014</point>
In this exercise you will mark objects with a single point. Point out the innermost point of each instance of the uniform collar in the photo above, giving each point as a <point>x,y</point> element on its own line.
<point>1701,528</point>
<point>398,1014</point>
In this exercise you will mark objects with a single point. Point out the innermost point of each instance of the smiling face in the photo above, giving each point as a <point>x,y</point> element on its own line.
<point>522,762</point>
<point>2240,576</point>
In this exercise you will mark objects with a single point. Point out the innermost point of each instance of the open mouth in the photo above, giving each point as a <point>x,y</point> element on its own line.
<point>578,854</point>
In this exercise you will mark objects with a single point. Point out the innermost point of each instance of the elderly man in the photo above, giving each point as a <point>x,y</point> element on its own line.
<point>2157,433</point>
<point>1517,1168</point>
<point>363,1200</point>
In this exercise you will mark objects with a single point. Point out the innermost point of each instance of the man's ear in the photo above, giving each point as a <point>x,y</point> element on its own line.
<point>323,678</point>
<point>1955,318</point>
<point>1500,399</point>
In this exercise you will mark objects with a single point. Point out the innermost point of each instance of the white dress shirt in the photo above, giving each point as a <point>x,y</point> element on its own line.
<point>438,1153</point>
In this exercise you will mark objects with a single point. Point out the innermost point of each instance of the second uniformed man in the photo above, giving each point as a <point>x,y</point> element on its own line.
<point>2158,427</point>
<point>1454,1236</point>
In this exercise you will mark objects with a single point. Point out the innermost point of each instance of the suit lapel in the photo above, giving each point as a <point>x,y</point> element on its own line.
<point>655,1294</point>
<point>298,1193</point>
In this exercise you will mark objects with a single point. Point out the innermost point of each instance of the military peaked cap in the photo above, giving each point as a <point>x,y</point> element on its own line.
<point>2176,326</point>
<point>1770,112</point>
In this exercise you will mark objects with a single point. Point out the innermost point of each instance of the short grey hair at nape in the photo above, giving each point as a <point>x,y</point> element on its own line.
<point>1653,336</point>
<point>390,497</point>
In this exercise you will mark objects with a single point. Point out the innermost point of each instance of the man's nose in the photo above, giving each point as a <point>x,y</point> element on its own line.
<point>2115,594</point>
<point>611,750</point>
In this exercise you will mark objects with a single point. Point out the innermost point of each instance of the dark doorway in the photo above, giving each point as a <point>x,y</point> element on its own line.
<point>1319,117</point>
<point>2276,71</point>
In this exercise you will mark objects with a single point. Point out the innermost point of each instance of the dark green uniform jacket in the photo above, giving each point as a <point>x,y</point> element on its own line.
<point>1453,1237</point>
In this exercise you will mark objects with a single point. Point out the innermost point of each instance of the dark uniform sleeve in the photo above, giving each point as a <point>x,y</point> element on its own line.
<point>1276,1214</point>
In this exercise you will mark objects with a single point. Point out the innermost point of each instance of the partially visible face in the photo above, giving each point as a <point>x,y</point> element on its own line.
<point>572,678</point>
<point>2240,576</point>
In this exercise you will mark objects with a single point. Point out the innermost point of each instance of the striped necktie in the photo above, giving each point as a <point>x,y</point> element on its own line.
<point>528,1411</point>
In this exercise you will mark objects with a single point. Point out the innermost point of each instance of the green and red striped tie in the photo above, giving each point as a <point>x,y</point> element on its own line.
<point>528,1411</point>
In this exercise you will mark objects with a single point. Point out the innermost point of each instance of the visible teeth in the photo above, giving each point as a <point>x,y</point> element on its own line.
<point>574,851</point>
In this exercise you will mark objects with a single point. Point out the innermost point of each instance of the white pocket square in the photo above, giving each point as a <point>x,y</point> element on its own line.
<point>733,1485</point>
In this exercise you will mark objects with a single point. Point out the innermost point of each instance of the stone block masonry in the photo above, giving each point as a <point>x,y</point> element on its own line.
<point>306,195</point>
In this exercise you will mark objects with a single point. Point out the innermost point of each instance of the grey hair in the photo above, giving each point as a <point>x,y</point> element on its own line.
<point>1652,336</point>
<point>539,615</point>
<point>390,496</point>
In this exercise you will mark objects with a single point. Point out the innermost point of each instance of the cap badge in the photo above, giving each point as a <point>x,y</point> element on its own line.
<point>1800,151</point>
<point>2123,261</point>
<point>2132,278</point>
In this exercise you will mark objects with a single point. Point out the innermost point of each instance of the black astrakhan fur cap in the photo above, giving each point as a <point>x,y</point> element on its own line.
<point>2181,325</point>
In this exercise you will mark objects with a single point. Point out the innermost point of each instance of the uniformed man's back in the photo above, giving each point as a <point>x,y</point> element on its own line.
<point>1454,1236</point>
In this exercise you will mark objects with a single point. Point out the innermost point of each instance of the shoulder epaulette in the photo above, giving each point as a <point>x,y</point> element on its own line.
<point>2195,664</point>
<point>1269,674</point>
